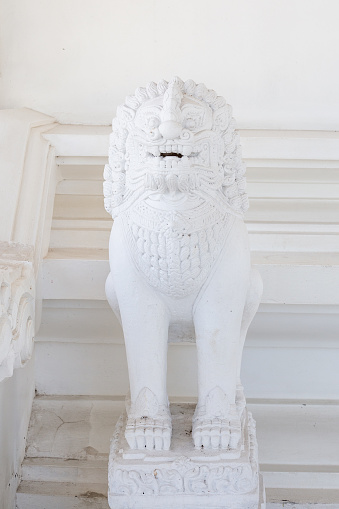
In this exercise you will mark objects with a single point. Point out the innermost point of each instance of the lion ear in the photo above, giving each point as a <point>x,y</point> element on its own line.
<point>125,114</point>
<point>222,117</point>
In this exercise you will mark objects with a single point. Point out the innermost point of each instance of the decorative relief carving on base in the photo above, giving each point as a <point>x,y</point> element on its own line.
<point>183,471</point>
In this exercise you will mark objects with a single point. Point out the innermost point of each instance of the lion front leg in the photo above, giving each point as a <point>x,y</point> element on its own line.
<point>145,324</point>
<point>217,319</point>
<point>145,320</point>
<point>146,336</point>
<point>253,299</point>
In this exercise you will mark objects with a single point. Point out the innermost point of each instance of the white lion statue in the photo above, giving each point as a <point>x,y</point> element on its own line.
<point>179,256</point>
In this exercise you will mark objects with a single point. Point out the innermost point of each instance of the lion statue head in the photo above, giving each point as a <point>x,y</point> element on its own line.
<point>174,139</point>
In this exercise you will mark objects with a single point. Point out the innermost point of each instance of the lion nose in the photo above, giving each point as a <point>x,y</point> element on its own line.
<point>170,129</point>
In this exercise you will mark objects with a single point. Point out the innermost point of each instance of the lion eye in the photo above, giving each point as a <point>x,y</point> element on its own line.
<point>153,122</point>
<point>154,134</point>
<point>190,123</point>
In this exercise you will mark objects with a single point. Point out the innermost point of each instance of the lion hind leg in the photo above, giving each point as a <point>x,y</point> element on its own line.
<point>253,299</point>
<point>112,296</point>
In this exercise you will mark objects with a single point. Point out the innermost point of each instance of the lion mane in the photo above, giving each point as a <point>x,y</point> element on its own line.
<point>176,250</point>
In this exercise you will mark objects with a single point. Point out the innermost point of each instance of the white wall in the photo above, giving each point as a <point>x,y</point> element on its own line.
<point>16,396</point>
<point>26,171</point>
<point>276,62</point>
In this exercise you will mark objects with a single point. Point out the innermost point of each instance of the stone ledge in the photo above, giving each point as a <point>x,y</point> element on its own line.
<point>289,278</point>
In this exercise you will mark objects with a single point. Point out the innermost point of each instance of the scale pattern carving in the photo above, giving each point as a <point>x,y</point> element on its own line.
<point>173,258</point>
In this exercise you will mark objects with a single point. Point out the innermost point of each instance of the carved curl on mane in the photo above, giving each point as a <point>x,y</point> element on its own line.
<point>117,195</point>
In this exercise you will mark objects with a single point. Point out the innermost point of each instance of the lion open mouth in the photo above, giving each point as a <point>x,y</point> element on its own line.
<point>171,154</point>
<point>170,151</point>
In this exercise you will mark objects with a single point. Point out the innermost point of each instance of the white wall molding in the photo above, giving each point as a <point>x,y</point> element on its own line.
<point>26,202</point>
<point>80,140</point>
<point>27,164</point>
<point>16,127</point>
<point>292,182</point>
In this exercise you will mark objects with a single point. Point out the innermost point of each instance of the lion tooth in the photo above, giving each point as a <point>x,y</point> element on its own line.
<point>162,163</point>
<point>185,161</point>
<point>180,149</point>
<point>174,148</point>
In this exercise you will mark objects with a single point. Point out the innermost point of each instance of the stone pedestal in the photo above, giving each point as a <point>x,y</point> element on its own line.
<point>185,477</point>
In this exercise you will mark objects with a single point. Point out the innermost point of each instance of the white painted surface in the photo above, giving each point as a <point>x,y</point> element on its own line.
<point>16,396</point>
<point>276,63</point>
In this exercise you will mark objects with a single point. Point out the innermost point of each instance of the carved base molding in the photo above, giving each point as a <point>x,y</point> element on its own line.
<point>185,477</point>
<point>17,306</point>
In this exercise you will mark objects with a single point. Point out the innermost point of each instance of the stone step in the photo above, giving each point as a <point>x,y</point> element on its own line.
<point>72,428</point>
<point>64,470</point>
<point>79,429</point>
<point>61,495</point>
<point>289,278</point>
<point>68,237</point>
<point>319,210</point>
<point>273,237</point>
<point>68,443</point>
<point>79,338</point>
<point>301,499</point>
<point>43,495</point>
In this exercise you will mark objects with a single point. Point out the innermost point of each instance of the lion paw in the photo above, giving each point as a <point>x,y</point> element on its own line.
<point>216,433</point>
<point>211,433</point>
<point>149,424</point>
<point>148,433</point>
<point>217,425</point>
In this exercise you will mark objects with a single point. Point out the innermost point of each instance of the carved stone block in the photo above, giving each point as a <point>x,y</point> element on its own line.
<point>17,306</point>
<point>184,477</point>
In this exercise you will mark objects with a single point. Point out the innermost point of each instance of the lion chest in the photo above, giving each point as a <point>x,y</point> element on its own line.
<point>175,251</point>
